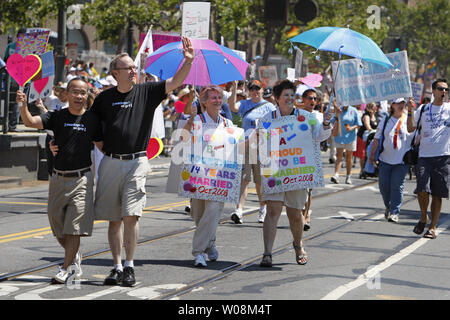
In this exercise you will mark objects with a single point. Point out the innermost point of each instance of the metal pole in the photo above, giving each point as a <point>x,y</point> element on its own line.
<point>236,38</point>
<point>61,44</point>
<point>7,100</point>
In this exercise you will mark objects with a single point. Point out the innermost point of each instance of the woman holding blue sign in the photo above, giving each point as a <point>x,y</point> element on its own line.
<point>294,200</point>
<point>395,142</point>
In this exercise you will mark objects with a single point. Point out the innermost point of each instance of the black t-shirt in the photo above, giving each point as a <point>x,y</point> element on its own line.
<point>73,136</point>
<point>128,116</point>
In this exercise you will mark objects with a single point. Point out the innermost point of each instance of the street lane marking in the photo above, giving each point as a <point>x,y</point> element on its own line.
<point>47,230</point>
<point>376,270</point>
<point>27,203</point>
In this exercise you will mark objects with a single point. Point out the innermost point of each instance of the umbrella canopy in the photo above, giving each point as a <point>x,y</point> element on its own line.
<point>213,63</point>
<point>345,41</point>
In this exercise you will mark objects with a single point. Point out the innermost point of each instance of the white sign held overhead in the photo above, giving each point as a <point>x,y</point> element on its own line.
<point>195,21</point>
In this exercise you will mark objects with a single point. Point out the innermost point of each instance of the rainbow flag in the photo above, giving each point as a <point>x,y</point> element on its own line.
<point>292,32</point>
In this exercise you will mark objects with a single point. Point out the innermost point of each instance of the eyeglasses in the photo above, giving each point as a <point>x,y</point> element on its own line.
<point>77,92</point>
<point>132,68</point>
<point>442,89</point>
<point>312,98</point>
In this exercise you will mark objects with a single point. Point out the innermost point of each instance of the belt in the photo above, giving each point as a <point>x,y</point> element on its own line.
<point>71,174</point>
<point>130,156</point>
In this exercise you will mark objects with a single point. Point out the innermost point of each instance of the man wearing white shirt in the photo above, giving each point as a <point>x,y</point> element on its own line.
<point>434,154</point>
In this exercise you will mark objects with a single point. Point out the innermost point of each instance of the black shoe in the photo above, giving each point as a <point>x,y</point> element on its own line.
<point>128,277</point>
<point>114,278</point>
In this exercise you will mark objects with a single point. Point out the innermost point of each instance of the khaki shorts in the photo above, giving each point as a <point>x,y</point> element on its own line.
<point>248,169</point>
<point>292,199</point>
<point>348,146</point>
<point>71,205</point>
<point>121,188</point>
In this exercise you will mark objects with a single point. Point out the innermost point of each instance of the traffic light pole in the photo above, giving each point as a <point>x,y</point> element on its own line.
<point>61,44</point>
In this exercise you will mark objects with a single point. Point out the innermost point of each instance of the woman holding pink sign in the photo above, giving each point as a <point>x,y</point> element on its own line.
<point>284,93</point>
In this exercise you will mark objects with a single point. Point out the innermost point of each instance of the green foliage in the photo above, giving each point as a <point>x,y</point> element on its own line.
<point>15,14</point>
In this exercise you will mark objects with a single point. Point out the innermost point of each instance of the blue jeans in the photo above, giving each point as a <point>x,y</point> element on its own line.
<point>391,179</point>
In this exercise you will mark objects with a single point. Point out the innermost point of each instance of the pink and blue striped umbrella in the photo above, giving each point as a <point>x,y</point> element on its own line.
<point>213,63</point>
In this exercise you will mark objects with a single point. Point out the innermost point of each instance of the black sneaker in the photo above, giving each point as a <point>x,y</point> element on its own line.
<point>114,278</point>
<point>128,277</point>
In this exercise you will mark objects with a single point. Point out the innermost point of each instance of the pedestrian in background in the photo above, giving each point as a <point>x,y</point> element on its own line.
<point>396,141</point>
<point>250,110</point>
<point>346,124</point>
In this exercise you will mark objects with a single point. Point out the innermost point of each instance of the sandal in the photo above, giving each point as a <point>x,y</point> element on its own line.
<point>430,234</point>
<point>420,226</point>
<point>301,259</point>
<point>266,261</point>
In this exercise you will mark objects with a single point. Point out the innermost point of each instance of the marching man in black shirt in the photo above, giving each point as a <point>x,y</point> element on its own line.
<point>127,112</point>
<point>71,195</point>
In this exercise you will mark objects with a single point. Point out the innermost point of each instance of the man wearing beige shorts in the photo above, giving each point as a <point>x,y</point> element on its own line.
<point>70,199</point>
<point>127,112</point>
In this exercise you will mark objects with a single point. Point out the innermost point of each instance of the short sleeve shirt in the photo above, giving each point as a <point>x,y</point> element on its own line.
<point>351,118</point>
<point>128,116</point>
<point>258,111</point>
<point>435,132</point>
<point>73,136</point>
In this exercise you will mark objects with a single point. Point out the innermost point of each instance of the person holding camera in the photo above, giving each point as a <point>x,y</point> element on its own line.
<point>396,141</point>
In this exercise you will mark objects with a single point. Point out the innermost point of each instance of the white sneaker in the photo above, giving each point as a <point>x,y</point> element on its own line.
<point>334,179</point>
<point>236,216</point>
<point>213,254</point>
<point>61,276</point>
<point>393,218</point>
<point>348,180</point>
<point>200,260</point>
<point>262,214</point>
<point>77,263</point>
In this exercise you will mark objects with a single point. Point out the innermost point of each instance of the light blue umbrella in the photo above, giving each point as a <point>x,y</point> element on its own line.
<point>344,41</point>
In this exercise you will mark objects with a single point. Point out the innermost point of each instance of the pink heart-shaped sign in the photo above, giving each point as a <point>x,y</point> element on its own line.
<point>23,69</point>
<point>40,84</point>
<point>179,106</point>
<point>154,148</point>
<point>312,80</point>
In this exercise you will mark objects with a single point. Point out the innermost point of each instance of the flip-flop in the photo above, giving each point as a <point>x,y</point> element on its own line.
<point>420,226</point>
<point>430,234</point>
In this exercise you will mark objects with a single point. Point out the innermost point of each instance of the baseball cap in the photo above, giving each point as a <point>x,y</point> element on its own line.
<point>255,84</point>
<point>399,100</point>
<point>108,81</point>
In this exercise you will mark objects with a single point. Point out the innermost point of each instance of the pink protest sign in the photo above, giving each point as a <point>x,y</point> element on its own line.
<point>161,38</point>
<point>23,69</point>
<point>32,43</point>
<point>290,157</point>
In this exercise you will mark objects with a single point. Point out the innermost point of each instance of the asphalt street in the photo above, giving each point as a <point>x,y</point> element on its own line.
<point>353,252</point>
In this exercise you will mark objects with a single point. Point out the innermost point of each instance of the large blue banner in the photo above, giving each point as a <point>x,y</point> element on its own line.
<point>362,82</point>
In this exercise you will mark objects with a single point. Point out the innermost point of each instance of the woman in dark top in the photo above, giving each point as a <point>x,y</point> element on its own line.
<point>369,124</point>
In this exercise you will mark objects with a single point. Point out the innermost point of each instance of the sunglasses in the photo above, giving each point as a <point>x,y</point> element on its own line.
<point>312,98</point>
<point>442,89</point>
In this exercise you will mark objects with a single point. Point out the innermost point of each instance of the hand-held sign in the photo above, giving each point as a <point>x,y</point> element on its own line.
<point>22,69</point>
